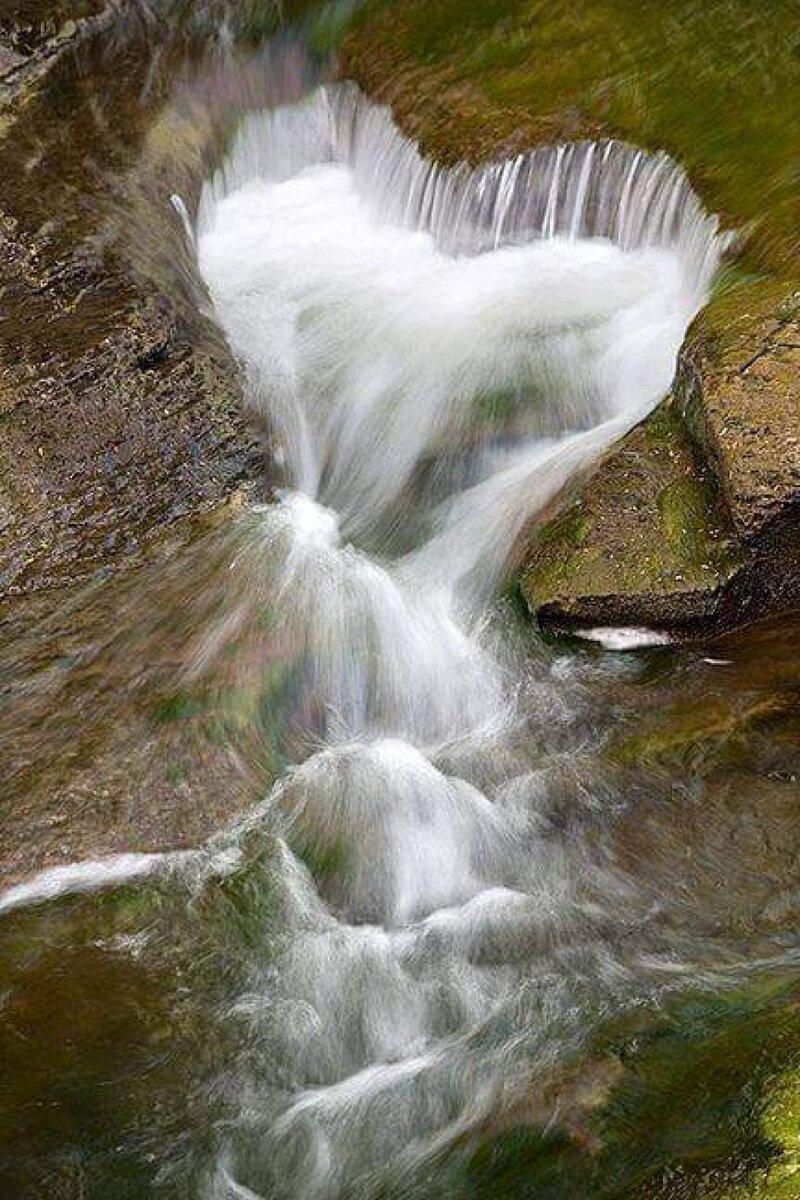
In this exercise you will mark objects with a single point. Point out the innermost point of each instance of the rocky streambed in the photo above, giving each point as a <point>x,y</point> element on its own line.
<point>123,440</point>
<point>614,1011</point>
<point>124,447</point>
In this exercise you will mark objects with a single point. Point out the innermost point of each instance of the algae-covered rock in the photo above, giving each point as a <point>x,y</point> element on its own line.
<point>780,1123</point>
<point>647,540</point>
<point>698,1106</point>
<point>693,521</point>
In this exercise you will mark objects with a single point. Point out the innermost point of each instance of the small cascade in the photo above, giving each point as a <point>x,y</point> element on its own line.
<point>606,189</point>
<point>437,352</point>
<point>421,921</point>
<point>474,927</point>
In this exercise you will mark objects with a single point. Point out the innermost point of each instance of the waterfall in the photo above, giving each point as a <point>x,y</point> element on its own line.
<point>438,351</point>
<point>587,189</point>
<point>420,922</point>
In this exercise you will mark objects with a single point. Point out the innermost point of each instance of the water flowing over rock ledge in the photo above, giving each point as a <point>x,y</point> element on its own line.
<point>490,893</point>
<point>693,522</point>
<point>732,414</point>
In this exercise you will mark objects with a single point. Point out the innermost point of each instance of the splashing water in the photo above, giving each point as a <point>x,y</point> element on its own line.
<point>437,353</point>
<point>432,401</point>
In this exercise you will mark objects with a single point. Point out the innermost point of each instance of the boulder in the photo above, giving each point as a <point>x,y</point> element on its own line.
<point>693,522</point>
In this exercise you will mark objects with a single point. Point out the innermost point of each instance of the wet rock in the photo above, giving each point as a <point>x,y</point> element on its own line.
<point>646,541</point>
<point>741,407</point>
<point>122,437</point>
<point>119,409</point>
<point>693,523</point>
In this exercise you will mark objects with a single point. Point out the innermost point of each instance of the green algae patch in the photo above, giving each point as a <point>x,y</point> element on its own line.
<point>689,1112</point>
<point>647,530</point>
<point>701,734</point>
<point>180,706</point>
<point>557,565</point>
<point>684,509</point>
<point>694,1103</point>
<point>781,1124</point>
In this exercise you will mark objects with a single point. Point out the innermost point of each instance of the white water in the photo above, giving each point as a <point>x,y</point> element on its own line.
<point>622,638</point>
<point>437,354</point>
<point>91,875</point>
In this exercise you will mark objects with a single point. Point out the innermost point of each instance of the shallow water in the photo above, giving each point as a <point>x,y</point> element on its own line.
<point>480,928</point>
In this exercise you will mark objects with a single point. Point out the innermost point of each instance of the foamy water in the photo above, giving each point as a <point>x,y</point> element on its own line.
<point>425,919</point>
<point>436,354</point>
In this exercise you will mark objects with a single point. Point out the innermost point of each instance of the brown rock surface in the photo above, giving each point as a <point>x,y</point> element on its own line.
<point>117,415</point>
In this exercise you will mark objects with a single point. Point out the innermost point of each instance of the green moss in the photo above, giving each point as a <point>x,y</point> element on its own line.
<point>649,523</point>
<point>448,27</point>
<point>780,1126</point>
<point>661,428</point>
<point>329,23</point>
<point>568,528</point>
<point>556,566</point>
<point>684,507</point>
<point>179,706</point>
<point>551,574</point>
<point>690,1115</point>
<point>697,734</point>
<point>177,773</point>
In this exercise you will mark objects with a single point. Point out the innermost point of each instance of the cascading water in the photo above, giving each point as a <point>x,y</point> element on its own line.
<point>501,915</point>
<point>437,353</point>
<point>427,398</point>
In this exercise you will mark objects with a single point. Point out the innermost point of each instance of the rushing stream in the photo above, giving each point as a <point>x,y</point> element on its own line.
<point>416,938</point>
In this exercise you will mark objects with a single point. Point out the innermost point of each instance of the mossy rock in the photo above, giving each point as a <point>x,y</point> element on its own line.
<point>703,732</point>
<point>699,1107</point>
<point>647,539</point>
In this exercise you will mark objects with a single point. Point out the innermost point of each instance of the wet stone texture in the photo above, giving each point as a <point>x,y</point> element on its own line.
<point>122,441</point>
<point>646,541</point>
<point>693,522</point>
<point>116,417</point>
